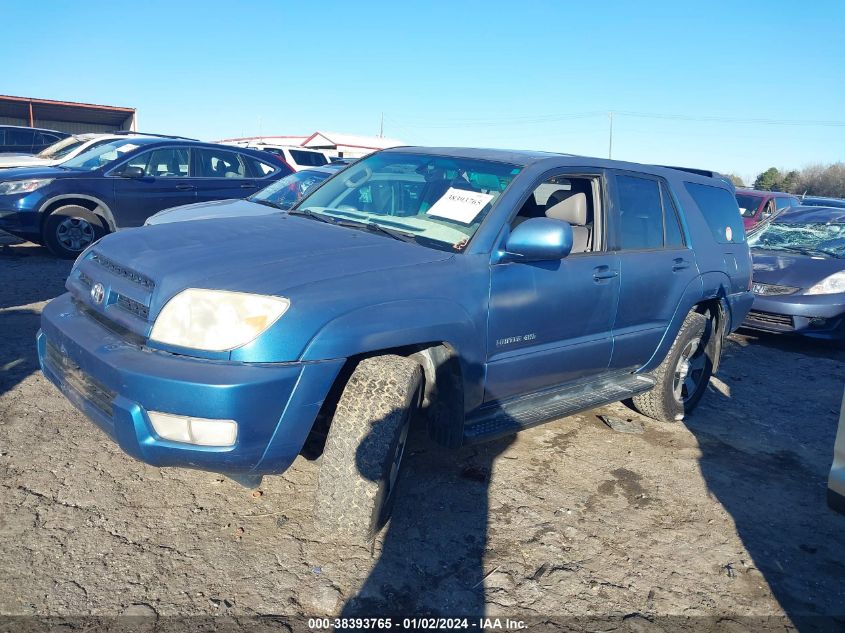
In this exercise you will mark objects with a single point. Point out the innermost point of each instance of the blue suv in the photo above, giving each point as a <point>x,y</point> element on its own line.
<point>121,183</point>
<point>483,291</point>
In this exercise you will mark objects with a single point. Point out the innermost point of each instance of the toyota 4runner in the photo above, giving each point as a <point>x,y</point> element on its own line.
<point>487,291</point>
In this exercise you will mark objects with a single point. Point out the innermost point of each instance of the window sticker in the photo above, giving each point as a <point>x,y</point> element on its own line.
<point>460,205</point>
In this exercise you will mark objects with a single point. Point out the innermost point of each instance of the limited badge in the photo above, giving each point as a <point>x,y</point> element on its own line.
<point>98,293</point>
<point>729,234</point>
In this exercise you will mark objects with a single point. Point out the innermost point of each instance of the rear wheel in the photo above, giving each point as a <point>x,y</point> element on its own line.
<point>683,375</point>
<point>71,229</point>
<point>365,445</point>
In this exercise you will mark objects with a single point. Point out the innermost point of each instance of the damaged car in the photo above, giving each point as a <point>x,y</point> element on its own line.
<point>799,274</point>
<point>480,292</point>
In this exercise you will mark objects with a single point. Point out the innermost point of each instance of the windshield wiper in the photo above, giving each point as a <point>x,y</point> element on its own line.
<point>378,228</point>
<point>267,203</point>
<point>310,213</point>
<point>808,251</point>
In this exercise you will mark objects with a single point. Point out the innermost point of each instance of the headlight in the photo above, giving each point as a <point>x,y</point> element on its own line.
<point>216,320</point>
<point>23,186</point>
<point>830,285</point>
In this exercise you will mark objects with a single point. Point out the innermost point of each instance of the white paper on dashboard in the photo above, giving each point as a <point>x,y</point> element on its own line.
<point>127,147</point>
<point>460,205</point>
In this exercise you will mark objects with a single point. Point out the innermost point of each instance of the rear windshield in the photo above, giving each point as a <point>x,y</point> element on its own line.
<point>748,205</point>
<point>311,159</point>
<point>720,210</point>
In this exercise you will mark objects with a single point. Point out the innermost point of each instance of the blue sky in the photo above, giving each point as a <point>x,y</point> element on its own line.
<point>536,75</point>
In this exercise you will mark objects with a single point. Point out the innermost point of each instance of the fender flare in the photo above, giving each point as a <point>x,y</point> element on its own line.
<point>717,284</point>
<point>101,209</point>
<point>405,324</point>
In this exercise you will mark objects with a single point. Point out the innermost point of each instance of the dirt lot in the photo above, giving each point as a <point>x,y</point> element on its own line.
<point>721,516</point>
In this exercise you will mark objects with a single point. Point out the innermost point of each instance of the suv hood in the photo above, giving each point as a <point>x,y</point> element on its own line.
<point>21,173</point>
<point>797,270</point>
<point>270,255</point>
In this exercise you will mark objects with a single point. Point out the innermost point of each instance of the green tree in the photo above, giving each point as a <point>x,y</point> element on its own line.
<point>769,180</point>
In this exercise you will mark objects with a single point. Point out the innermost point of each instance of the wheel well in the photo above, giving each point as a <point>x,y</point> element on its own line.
<point>442,404</point>
<point>91,205</point>
<point>714,310</point>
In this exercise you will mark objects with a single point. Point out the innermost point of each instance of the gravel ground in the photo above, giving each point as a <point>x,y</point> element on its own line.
<point>723,516</point>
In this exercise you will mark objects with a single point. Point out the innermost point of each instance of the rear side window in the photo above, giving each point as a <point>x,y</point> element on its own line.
<point>218,163</point>
<point>20,138</point>
<point>641,213</point>
<point>674,236</point>
<point>720,211</point>
<point>311,159</point>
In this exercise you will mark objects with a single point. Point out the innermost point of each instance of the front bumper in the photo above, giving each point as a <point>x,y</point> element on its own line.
<point>19,215</point>
<point>115,383</point>
<point>816,316</point>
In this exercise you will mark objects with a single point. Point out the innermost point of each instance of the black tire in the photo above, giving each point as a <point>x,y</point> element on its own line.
<point>70,229</point>
<point>363,454</point>
<point>678,389</point>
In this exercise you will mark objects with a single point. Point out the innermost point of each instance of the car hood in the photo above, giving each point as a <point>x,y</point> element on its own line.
<point>787,269</point>
<point>209,210</point>
<point>271,254</point>
<point>19,173</point>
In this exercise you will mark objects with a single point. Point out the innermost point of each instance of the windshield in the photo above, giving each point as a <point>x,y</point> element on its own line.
<point>809,239</point>
<point>437,201</point>
<point>60,148</point>
<point>100,155</point>
<point>748,205</point>
<point>289,190</point>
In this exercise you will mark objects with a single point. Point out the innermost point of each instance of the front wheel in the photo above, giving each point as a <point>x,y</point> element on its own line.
<point>364,448</point>
<point>683,375</point>
<point>71,229</point>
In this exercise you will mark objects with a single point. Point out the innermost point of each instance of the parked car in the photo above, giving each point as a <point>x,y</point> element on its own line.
<point>487,290</point>
<point>816,201</point>
<point>799,274</point>
<point>279,196</point>
<point>27,140</point>
<point>296,157</point>
<point>757,206</point>
<point>122,182</point>
<point>56,153</point>
<point>836,481</point>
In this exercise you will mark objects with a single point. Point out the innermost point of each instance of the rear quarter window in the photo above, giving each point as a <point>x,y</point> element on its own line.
<point>720,211</point>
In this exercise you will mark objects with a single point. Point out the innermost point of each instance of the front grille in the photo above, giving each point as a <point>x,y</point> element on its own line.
<point>70,374</point>
<point>770,290</point>
<point>86,280</point>
<point>770,318</point>
<point>128,273</point>
<point>130,305</point>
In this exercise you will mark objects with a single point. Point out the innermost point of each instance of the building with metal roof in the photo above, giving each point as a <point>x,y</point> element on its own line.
<point>65,116</point>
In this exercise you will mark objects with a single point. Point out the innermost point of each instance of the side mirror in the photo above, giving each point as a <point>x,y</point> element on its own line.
<point>132,172</point>
<point>540,239</point>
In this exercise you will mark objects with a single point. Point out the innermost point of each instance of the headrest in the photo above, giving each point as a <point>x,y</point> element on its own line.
<point>572,209</point>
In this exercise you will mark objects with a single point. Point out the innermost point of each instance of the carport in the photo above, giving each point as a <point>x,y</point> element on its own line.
<point>65,116</point>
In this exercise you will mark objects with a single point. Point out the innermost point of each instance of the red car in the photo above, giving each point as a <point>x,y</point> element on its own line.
<point>756,206</point>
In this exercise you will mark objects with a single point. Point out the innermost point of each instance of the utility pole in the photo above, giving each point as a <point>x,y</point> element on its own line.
<point>381,126</point>
<point>610,139</point>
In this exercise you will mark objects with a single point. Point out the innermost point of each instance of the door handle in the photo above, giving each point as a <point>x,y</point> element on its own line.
<point>604,272</point>
<point>185,187</point>
<point>679,264</point>
<point>248,185</point>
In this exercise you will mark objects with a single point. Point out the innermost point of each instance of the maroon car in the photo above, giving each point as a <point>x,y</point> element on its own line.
<point>757,206</point>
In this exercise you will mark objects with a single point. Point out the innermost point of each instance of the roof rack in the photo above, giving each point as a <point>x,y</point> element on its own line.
<point>128,132</point>
<point>692,170</point>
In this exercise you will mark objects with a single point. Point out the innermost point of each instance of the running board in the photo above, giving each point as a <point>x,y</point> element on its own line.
<point>507,418</point>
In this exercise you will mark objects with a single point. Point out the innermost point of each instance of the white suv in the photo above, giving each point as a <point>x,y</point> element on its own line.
<point>297,157</point>
<point>58,152</point>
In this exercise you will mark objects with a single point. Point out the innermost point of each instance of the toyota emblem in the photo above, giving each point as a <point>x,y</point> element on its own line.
<point>98,293</point>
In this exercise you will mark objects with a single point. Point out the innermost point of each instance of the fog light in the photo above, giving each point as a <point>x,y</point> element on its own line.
<point>818,322</point>
<point>200,431</point>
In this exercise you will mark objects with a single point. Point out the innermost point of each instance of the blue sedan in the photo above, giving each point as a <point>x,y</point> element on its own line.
<point>799,274</point>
